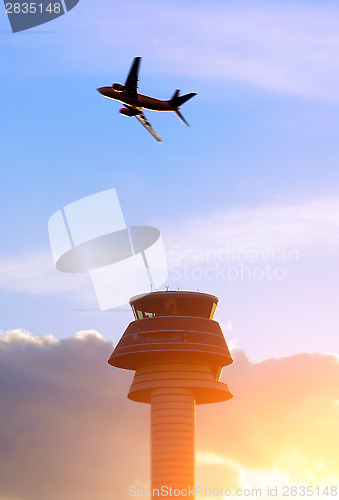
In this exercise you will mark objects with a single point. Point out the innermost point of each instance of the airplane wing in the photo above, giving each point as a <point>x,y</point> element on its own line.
<point>131,84</point>
<point>143,120</point>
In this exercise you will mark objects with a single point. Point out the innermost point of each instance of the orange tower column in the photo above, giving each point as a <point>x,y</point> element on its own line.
<point>172,439</point>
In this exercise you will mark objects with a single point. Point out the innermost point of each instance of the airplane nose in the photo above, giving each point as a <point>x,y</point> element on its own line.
<point>105,91</point>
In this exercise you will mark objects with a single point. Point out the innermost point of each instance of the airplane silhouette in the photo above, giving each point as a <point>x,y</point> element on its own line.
<point>128,95</point>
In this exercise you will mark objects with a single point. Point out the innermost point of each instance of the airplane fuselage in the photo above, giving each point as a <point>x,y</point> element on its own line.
<point>140,102</point>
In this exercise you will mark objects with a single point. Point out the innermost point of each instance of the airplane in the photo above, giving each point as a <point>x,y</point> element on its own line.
<point>135,103</point>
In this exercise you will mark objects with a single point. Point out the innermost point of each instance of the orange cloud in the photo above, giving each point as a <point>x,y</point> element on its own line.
<point>67,430</point>
<point>284,417</point>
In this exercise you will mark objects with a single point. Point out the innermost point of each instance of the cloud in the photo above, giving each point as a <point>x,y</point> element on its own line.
<point>310,226</point>
<point>19,335</point>
<point>272,264</point>
<point>264,233</point>
<point>68,431</point>
<point>35,273</point>
<point>281,47</point>
<point>282,420</point>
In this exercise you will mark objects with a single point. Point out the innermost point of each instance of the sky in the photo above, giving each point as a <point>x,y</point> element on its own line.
<point>247,203</point>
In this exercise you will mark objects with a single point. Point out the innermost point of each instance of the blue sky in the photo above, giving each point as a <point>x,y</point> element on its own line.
<point>257,169</point>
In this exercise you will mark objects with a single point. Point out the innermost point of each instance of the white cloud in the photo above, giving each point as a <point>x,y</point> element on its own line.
<point>24,336</point>
<point>89,334</point>
<point>247,478</point>
<point>213,459</point>
<point>310,226</point>
<point>227,327</point>
<point>267,232</point>
<point>35,273</point>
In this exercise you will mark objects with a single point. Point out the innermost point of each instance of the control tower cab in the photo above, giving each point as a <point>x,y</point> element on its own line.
<point>174,341</point>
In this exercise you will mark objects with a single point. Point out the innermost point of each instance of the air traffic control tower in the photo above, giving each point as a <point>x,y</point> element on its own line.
<point>178,352</point>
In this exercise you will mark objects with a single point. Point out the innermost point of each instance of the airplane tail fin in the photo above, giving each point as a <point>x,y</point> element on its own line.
<point>177,100</point>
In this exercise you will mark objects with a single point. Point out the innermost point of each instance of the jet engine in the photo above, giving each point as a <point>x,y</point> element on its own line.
<point>118,87</point>
<point>128,112</point>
